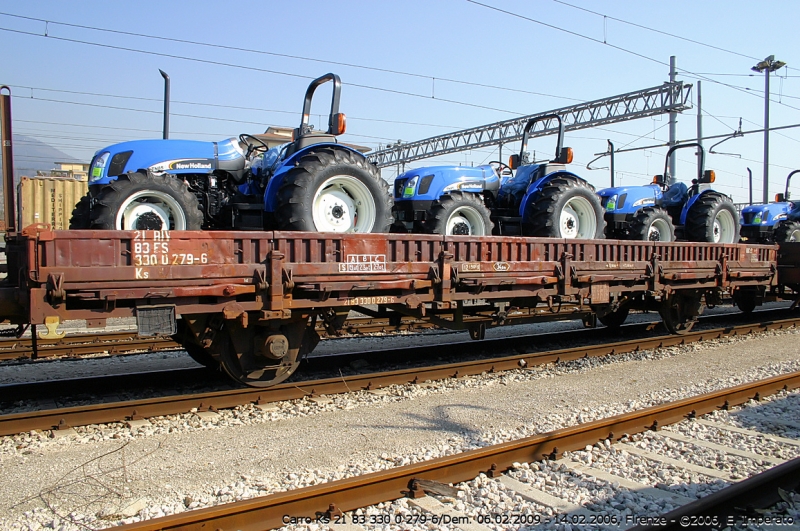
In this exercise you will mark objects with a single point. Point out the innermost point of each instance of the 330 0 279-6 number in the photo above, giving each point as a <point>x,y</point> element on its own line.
<point>141,260</point>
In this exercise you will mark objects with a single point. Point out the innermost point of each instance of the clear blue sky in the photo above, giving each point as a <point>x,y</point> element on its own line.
<point>219,92</point>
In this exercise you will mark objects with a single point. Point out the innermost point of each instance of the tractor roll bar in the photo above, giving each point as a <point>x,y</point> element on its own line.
<point>337,91</point>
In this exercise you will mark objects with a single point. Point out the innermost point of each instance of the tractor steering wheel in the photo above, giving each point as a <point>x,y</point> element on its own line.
<point>254,144</point>
<point>499,167</point>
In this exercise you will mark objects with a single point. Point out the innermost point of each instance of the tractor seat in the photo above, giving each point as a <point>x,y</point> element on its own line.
<point>675,195</point>
<point>308,140</point>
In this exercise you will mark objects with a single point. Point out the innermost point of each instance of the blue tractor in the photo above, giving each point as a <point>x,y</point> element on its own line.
<point>541,199</point>
<point>774,222</point>
<point>667,210</point>
<point>312,183</point>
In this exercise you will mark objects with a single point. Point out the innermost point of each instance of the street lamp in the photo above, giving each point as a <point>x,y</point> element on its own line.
<point>767,65</point>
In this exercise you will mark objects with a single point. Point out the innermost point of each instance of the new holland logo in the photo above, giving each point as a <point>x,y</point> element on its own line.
<point>501,266</point>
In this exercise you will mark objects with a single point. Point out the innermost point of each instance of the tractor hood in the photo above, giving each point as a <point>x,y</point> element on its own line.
<point>629,198</point>
<point>431,182</point>
<point>764,214</point>
<point>172,156</point>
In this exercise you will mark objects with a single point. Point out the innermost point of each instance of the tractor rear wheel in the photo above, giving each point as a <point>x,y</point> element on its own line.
<point>788,231</point>
<point>334,190</point>
<point>712,219</point>
<point>138,201</point>
<point>81,212</point>
<point>565,208</point>
<point>652,224</point>
<point>459,214</point>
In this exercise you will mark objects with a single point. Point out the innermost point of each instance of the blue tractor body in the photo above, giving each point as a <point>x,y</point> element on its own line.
<point>769,223</point>
<point>312,183</point>
<point>539,200</point>
<point>176,157</point>
<point>666,211</point>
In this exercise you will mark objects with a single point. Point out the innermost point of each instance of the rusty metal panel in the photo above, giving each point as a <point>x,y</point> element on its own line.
<point>354,256</point>
<point>151,256</point>
<point>48,200</point>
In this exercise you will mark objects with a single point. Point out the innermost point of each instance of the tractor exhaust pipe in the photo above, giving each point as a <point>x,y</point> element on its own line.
<point>10,211</point>
<point>166,104</point>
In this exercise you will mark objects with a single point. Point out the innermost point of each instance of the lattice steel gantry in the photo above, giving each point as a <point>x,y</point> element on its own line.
<point>669,97</point>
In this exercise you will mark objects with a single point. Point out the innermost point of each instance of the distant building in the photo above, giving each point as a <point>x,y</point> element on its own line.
<point>275,136</point>
<point>67,170</point>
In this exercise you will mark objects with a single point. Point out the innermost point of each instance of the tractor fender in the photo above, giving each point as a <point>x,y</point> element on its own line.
<point>275,182</point>
<point>692,200</point>
<point>535,187</point>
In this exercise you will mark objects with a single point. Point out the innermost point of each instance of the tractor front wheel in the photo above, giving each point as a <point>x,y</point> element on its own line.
<point>459,214</point>
<point>81,212</point>
<point>138,201</point>
<point>652,224</point>
<point>788,231</point>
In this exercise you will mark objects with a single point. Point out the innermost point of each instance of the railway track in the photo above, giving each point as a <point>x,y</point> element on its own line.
<point>92,344</point>
<point>513,468</point>
<point>135,410</point>
<point>129,342</point>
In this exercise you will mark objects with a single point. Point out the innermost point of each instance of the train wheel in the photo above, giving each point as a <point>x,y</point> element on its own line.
<point>614,319</point>
<point>746,300</point>
<point>679,311</point>
<point>185,338</point>
<point>258,357</point>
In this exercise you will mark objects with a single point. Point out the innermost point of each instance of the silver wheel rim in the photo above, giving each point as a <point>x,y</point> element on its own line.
<point>465,221</point>
<point>659,231</point>
<point>577,219</point>
<point>794,236</point>
<point>343,204</point>
<point>144,209</point>
<point>724,227</point>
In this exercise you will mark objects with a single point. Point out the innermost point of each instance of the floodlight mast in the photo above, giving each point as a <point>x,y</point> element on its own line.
<point>767,65</point>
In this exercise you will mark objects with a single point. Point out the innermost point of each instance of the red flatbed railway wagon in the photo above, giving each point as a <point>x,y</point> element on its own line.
<point>249,300</point>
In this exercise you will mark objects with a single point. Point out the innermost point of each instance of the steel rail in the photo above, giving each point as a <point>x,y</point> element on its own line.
<point>347,494</point>
<point>126,342</point>
<point>730,505</point>
<point>129,342</point>
<point>75,345</point>
<point>212,401</point>
<point>458,349</point>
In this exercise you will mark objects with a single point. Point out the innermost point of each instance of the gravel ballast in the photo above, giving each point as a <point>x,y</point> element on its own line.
<point>106,475</point>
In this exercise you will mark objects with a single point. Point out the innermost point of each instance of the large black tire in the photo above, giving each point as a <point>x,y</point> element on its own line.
<point>565,208</point>
<point>334,190</point>
<point>712,219</point>
<point>652,224</point>
<point>80,214</point>
<point>138,201</point>
<point>459,214</point>
<point>788,231</point>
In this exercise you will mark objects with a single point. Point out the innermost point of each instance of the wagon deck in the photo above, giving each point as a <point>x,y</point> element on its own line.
<point>220,293</point>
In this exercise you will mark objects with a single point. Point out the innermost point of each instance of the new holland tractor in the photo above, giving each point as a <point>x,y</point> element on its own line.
<point>541,199</point>
<point>312,183</point>
<point>774,222</point>
<point>667,210</point>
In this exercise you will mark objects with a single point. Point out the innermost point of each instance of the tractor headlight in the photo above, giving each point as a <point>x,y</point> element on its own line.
<point>97,167</point>
<point>611,204</point>
<point>410,187</point>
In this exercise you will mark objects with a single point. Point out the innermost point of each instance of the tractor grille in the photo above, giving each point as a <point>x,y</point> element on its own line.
<point>399,184</point>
